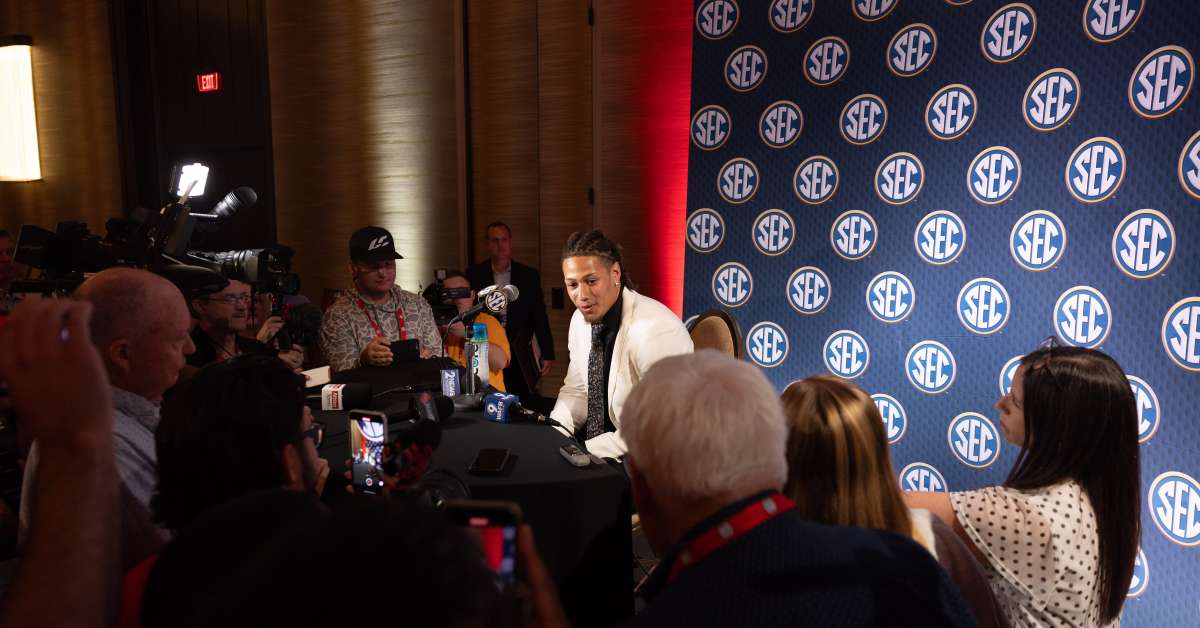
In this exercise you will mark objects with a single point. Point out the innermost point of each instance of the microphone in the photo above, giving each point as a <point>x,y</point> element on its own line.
<point>494,299</point>
<point>432,407</point>
<point>241,198</point>
<point>337,397</point>
<point>418,433</point>
<point>496,407</point>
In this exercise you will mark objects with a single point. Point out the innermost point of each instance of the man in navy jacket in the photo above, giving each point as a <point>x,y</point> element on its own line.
<point>706,438</point>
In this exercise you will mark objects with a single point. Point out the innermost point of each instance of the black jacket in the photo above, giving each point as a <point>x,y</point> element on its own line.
<point>527,315</point>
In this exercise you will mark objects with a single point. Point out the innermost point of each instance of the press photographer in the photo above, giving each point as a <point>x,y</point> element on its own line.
<point>221,317</point>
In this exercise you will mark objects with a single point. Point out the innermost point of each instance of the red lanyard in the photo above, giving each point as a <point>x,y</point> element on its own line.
<point>725,532</point>
<point>378,332</point>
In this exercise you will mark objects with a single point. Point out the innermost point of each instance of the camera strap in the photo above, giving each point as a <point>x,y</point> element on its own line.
<point>403,331</point>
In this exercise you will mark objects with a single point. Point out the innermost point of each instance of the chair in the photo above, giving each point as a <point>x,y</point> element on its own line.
<point>716,329</point>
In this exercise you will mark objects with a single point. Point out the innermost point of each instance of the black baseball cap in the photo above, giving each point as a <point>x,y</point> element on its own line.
<point>373,244</point>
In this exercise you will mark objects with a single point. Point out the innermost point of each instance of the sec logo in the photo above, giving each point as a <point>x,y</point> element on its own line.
<point>1051,99</point>
<point>1161,82</point>
<point>846,354</point>
<point>767,345</point>
<point>1141,575</point>
<point>826,61</point>
<point>930,367</point>
<point>922,477</point>
<point>1008,33</point>
<point>1143,244</point>
<point>1181,333</point>
<point>808,290</point>
<point>1189,166</point>
<point>746,68</point>
<point>890,297</point>
<point>1147,407</point>
<point>863,119</point>
<point>895,420</point>
<point>940,237</point>
<point>1007,372</point>
<point>1082,317</point>
<point>983,305</point>
<point>873,10</point>
<point>711,127</point>
<point>789,16</point>
<point>774,232</point>
<point>950,112</point>
<point>732,284</point>
<point>1109,20</point>
<point>717,18</point>
<point>738,180</point>
<point>974,440</point>
<point>815,180</point>
<point>853,235</point>
<point>780,124</point>
<point>899,178</point>
<point>911,50</point>
<point>994,175</point>
<point>1174,504</point>
<point>958,3</point>
<point>706,230</point>
<point>1038,240</point>
<point>1095,170</point>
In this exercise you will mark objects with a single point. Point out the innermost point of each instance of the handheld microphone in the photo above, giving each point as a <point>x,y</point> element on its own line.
<point>494,299</point>
<point>337,397</point>
<point>496,407</point>
<point>432,407</point>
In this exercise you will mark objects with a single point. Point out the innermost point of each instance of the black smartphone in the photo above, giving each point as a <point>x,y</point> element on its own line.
<point>489,462</point>
<point>368,431</point>
<point>405,351</point>
<point>493,524</point>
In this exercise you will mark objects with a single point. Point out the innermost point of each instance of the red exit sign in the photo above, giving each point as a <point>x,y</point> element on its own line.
<point>208,82</point>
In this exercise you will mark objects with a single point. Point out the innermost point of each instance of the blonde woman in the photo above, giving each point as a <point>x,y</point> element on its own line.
<point>840,473</point>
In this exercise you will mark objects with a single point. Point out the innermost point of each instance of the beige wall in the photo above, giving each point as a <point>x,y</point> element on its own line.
<point>76,114</point>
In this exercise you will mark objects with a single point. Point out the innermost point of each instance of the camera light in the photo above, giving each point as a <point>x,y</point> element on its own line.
<point>192,178</point>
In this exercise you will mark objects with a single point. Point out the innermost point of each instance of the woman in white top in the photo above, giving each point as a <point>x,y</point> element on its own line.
<point>1059,538</point>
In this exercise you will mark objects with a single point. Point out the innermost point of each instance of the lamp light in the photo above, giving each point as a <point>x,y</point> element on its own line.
<point>19,158</point>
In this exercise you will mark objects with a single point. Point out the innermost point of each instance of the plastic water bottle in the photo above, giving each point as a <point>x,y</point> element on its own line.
<point>478,361</point>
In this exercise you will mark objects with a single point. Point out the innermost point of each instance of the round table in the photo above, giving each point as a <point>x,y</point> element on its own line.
<point>580,516</point>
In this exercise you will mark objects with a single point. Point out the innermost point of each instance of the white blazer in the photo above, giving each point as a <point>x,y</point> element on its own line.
<point>649,332</point>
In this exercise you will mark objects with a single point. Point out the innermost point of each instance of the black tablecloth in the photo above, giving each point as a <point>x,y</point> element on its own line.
<point>580,516</point>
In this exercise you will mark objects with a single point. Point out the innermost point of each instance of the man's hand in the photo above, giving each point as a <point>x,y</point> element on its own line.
<point>322,475</point>
<point>542,594</point>
<point>458,329</point>
<point>269,328</point>
<point>377,353</point>
<point>293,358</point>
<point>546,364</point>
<point>46,352</point>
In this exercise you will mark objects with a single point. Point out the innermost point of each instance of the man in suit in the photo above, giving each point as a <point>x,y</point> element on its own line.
<point>616,336</point>
<point>707,459</point>
<point>525,318</point>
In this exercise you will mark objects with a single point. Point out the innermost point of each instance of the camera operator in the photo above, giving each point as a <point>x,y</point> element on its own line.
<point>358,329</point>
<point>220,318</point>
<point>456,335</point>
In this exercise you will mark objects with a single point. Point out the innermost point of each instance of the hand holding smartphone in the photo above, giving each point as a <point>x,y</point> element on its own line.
<point>494,525</point>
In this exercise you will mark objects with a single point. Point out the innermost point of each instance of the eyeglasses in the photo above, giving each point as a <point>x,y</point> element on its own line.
<point>231,299</point>
<point>316,432</point>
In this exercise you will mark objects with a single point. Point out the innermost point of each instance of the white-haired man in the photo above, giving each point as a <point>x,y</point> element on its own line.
<point>707,437</point>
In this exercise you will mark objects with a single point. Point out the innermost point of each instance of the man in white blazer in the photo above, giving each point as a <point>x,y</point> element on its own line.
<point>616,336</point>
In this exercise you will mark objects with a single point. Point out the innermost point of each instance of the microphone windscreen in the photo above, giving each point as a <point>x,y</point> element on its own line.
<point>237,200</point>
<point>444,405</point>
<point>345,396</point>
<point>512,292</point>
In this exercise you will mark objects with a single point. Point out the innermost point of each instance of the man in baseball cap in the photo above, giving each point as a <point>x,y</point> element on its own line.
<point>358,329</point>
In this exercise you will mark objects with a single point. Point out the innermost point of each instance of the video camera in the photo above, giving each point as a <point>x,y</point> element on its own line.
<point>436,294</point>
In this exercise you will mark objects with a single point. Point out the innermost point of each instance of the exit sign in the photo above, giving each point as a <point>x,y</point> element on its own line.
<point>208,82</point>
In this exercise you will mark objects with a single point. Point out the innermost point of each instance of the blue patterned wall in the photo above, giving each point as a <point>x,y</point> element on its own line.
<point>913,193</point>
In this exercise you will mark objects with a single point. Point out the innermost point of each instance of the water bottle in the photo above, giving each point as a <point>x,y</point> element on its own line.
<point>479,356</point>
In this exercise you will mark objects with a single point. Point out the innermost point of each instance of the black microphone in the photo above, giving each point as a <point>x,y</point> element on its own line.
<point>433,408</point>
<point>336,397</point>
<point>518,413</point>
<point>241,198</point>
<point>421,432</point>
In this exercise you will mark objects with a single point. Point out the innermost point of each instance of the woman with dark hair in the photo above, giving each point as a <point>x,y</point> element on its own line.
<point>840,473</point>
<point>1059,538</point>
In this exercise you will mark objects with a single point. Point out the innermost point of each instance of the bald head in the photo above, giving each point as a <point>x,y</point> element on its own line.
<point>140,325</point>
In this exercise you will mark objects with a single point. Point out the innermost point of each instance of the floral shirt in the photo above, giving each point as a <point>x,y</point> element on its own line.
<point>346,327</point>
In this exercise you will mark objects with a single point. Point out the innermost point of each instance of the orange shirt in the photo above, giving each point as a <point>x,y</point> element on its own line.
<point>456,347</point>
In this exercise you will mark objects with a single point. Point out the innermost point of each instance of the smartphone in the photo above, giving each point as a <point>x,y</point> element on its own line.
<point>405,351</point>
<point>368,431</point>
<point>493,524</point>
<point>489,462</point>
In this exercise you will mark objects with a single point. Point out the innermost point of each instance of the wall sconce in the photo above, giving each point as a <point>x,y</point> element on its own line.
<point>19,158</point>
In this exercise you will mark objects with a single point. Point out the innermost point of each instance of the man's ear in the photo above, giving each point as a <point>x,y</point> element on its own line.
<point>643,497</point>
<point>616,272</point>
<point>293,468</point>
<point>118,356</point>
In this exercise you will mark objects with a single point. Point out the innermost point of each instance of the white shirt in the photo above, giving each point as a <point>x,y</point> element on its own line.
<point>1042,550</point>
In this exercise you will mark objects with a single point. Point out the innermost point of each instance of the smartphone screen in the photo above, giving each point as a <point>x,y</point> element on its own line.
<point>367,433</point>
<point>493,525</point>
